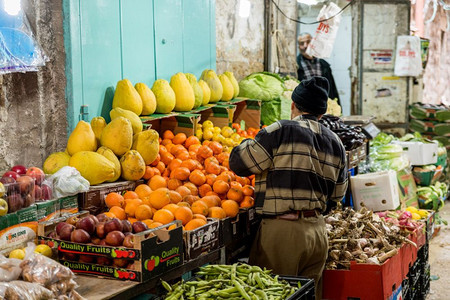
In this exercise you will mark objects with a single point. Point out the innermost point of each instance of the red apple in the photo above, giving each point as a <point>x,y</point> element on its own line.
<point>26,184</point>
<point>37,193</point>
<point>11,174</point>
<point>87,224</point>
<point>29,200</point>
<point>126,226</point>
<point>103,218</point>
<point>115,238</point>
<point>80,236</point>
<point>66,232</point>
<point>94,218</point>
<point>37,174</point>
<point>129,241</point>
<point>59,227</point>
<point>100,230</point>
<point>53,235</point>
<point>139,226</point>
<point>7,180</point>
<point>47,193</point>
<point>19,169</point>
<point>113,225</point>
<point>15,202</point>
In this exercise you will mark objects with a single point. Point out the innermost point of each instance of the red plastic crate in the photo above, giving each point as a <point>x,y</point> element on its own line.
<point>364,281</point>
<point>408,252</point>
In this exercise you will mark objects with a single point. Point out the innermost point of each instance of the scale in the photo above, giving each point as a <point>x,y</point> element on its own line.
<point>368,128</point>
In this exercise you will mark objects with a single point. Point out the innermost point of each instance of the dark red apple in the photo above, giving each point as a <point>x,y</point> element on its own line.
<point>103,218</point>
<point>129,241</point>
<point>80,236</point>
<point>120,262</point>
<point>19,169</point>
<point>11,174</point>
<point>100,230</point>
<point>37,193</point>
<point>105,261</point>
<point>52,235</point>
<point>126,226</point>
<point>71,256</point>
<point>115,238</point>
<point>15,202</point>
<point>113,225</point>
<point>66,232</point>
<point>7,180</point>
<point>84,258</point>
<point>139,226</point>
<point>87,224</point>
<point>47,193</point>
<point>59,227</point>
<point>94,218</point>
<point>37,174</point>
<point>26,184</point>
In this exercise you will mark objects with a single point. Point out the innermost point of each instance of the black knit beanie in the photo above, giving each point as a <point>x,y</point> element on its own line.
<point>312,95</point>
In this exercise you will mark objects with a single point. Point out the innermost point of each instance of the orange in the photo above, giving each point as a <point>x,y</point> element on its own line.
<point>174,183</point>
<point>236,185</point>
<point>132,220</point>
<point>247,202</point>
<point>171,227</point>
<point>177,149</point>
<point>148,173</point>
<point>110,214</point>
<point>143,191</point>
<point>225,177</point>
<point>143,212</point>
<point>114,199</point>
<point>168,135</point>
<point>156,171</point>
<point>166,174</point>
<point>212,194</point>
<point>148,222</point>
<point>157,182</point>
<point>180,173</point>
<point>169,147</point>
<point>156,161</point>
<point>180,138</point>
<point>166,142</point>
<point>119,212</point>
<point>190,164</point>
<point>162,149</point>
<point>184,214</point>
<point>241,180</point>
<point>199,216</point>
<point>193,224</point>
<point>192,140</point>
<point>206,143</point>
<point>211,200</point>
<point>163,216</point>
<point>231,174</point>
<point>174,164</point>
<point>190,199</point>
<point>166,158</point>
<point>248,190</point>
<point>161,166</point>
<point>216,147</point>
<point>235,194</point>
<point>174,197</point>
<point>210,160</point>
<point>205,152</point>
<point>203,189</point>
<point>184,204</point>
<point>183,155</point>
<point>194,148</point>
<point>200,207</point>
<point>171,207</point>
<point>253,182</point>
<point>130,195</point>
<point>223,157</point>
<point>131,206</point>
<point>197,177</point>
<point>217,212</point>
<point>159,198</point>
<point>212,168</point>
<point>183,191</point>
<point>220,187</point>
<point>210,178</point>
<point>154,225</point>
<point>192,187</point>
<point>231,208</point>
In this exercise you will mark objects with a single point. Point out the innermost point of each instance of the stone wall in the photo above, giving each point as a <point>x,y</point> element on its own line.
<point>33,120</point>
<point>436,77</point>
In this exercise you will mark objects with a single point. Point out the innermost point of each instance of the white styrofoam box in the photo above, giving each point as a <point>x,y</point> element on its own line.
<point>419,153</point>
<point>376,191</point>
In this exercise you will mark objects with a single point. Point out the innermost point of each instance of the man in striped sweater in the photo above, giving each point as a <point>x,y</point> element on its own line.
<point>299,166</point>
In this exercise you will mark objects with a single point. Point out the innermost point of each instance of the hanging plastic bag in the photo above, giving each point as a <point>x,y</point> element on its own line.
<point>321,45</point>
<point>67,181</point>
<point>9,269</point>
<point>408,56</point>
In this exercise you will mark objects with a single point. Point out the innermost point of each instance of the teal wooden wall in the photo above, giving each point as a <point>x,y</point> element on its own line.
<point>142,40</point>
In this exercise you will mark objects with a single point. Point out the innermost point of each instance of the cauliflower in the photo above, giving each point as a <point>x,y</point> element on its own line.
<point>333,108</point>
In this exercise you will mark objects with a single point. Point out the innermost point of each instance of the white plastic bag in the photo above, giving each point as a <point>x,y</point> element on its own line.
<point>321,45</point>
<point>67,181</point>
<point>408,60</point>
<point>9,269</point>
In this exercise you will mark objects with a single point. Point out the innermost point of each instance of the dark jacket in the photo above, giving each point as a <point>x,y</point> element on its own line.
<point>326,72</point>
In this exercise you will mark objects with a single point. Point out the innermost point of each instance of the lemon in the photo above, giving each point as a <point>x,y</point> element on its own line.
<point>2,189</point>
<point>199,134</point>
<point>44,250</point>
<point>216,130</point>
<point>221,139</point>
<point>207,134</point>
<point>227,131</point>
<point>423,213</point>
<point>415,216</point>
<point>208,124</point>
<point>235,137</point>
<point>17,253</point>
<point>412,209</point>
<point>228,142</point>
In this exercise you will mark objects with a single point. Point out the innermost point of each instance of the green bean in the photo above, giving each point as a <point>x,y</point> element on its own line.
<point>261,294</point>
<point>241,290</point>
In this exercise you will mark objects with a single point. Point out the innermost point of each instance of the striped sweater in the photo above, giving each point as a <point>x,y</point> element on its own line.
<point>299,165</point>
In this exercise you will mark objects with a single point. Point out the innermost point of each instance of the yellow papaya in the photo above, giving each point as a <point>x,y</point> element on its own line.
<point>82,138</point>
<point>165,96</point>
<point>148,99</point>
<point>147,144</point>
<point>234,82</point>
<point>214,84</point>
<point>184,94</point>
<point>133,165</point>
<point>136,122</point>
<point>198,91</point>
<point>228,90</point>
<point>97,125</point>
<point>127,97</point>
<point>206,91</point>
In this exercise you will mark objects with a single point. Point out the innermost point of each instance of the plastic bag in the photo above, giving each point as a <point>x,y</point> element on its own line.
<point>22,290</point>
<point>408,61</point>
<point>322,44</point>
<point>9,268</point>
<point>67,181</point>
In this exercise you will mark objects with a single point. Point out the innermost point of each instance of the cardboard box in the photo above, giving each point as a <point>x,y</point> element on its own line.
<point>407,186</point>
<point>429,112</point>
<point>220,114</point>
<point>49,209</point>
<point>247,110</point>
<point>94,199</point>
<point>202,239</point>
<point>431,127</point>
<point>17,229</point>
<point>176,122</point>
<point>68,205</point>
<point>420,154</point>
<point>163,252</point>
<point>376,191</point>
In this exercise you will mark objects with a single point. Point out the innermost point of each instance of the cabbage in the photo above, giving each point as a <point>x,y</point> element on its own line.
<point>263,86</point>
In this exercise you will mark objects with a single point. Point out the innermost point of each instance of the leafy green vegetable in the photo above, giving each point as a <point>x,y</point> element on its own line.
<point>264,86</point>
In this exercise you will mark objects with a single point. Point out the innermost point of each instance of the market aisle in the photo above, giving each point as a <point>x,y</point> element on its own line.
<point>440,259</point>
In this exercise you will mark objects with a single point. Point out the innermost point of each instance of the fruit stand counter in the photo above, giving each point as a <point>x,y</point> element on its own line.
<point>99,288</point>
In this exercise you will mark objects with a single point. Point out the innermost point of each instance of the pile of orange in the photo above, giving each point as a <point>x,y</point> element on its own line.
<point>248,133</point>
<point>188,181</point>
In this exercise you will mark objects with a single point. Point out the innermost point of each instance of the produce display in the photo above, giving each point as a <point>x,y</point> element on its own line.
<point>351,136</point>
<point>433,196</point>
<point>21,187</point>
<point>361,236</point>
<point>238,281</point>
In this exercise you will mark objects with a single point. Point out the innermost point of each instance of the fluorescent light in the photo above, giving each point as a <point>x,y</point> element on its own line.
<point>12,7</point>
<point>244,8</point>
<point>308,2</point>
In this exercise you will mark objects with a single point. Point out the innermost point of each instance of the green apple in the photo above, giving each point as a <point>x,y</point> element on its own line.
<point>3,207</point>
